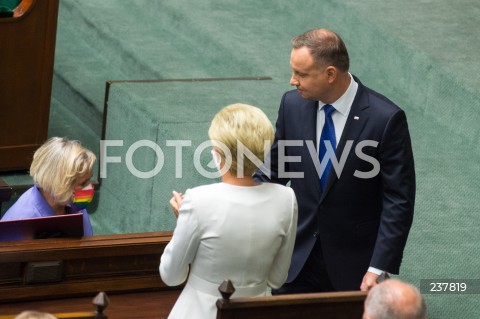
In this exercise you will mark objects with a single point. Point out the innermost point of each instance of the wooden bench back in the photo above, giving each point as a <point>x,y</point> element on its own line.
<point>332,305</point>
<point>61,268</point>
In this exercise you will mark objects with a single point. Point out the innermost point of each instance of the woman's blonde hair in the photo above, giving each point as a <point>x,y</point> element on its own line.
<point>58,164</point>
<point>241,126</point>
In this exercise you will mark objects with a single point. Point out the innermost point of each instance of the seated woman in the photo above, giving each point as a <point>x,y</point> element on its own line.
<point>61,170</point>
<point>237,229</point>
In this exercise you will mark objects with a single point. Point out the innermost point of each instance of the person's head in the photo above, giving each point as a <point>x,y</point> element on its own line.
<point>29,314</point>
<point>319,62</point>
<point>237,126</point>
<point>394,299</point>
<point>61,166</point>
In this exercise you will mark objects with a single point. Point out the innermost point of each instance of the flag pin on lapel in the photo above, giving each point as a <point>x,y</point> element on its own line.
<point>356,117</point>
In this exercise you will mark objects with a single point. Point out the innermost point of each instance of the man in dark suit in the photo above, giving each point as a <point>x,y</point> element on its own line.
<point>353,223</point>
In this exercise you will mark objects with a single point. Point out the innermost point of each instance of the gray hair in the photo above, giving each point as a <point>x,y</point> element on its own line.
<point>394,299</point>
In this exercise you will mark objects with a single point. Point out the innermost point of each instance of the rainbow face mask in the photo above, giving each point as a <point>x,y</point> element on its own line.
<point>84,196</point>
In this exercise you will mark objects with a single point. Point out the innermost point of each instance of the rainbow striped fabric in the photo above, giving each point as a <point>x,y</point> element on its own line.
<point>82,197</point>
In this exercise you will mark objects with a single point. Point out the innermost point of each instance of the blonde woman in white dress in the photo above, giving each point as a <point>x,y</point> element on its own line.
<point>237,229</point>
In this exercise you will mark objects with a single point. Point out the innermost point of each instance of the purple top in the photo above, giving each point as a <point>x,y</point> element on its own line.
<point>32,205</point>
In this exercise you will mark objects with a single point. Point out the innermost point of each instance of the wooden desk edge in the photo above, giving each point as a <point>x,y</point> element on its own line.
<point>285,300</point>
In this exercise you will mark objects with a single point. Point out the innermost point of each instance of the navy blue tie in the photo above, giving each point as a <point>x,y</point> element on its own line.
<point>328,135</point>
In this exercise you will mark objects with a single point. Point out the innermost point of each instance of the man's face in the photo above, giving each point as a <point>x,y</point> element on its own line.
<point>311,81</point>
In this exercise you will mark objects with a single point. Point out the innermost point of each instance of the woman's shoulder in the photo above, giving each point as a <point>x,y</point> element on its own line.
<point>274,187</point>
<point>220,187</point>
<point>216,191</point>
<point>28,198</point>
<point>26,206</point>
<point>206,189</point>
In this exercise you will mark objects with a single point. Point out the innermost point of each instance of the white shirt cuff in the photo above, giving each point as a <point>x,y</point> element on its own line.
<point>376,271</point>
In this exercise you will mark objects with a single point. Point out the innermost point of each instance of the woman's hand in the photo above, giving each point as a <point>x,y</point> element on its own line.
<point>176,201</point>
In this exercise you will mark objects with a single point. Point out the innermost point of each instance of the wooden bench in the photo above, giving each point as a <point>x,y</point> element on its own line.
<point>332,305</point>
<point>35,269</point>
<point>52,275</point>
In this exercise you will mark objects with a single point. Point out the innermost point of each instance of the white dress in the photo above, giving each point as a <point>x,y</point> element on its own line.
<point>245,234</point>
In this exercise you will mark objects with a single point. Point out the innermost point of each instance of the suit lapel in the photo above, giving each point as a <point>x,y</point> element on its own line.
<point>309,120</point>
<point>310,134</point>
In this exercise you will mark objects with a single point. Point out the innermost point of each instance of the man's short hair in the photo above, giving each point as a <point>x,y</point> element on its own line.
<point>326,47</point>
<point>394,299</point>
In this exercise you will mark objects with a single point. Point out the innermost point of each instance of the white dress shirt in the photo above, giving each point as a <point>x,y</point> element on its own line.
<point>342,109</point>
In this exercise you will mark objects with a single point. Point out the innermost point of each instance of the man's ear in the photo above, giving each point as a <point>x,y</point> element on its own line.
<point>332,73</point>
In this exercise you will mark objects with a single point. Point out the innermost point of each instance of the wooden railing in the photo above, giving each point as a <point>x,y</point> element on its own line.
<point>59,268</point>
<point>332,305</point>
<point>59,275</point>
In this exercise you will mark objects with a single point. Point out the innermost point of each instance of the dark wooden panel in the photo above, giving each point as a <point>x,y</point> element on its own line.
<point>26,66</point>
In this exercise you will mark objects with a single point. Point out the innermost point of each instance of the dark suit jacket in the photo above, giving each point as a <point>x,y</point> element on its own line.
<point>360,222</point>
